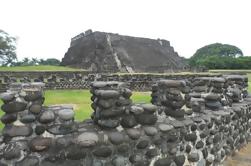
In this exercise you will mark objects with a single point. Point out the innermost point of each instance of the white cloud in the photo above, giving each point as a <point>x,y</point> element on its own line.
<point>45,27</point>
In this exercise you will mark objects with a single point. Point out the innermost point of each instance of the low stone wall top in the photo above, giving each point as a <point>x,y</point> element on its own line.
<point>83,79</point>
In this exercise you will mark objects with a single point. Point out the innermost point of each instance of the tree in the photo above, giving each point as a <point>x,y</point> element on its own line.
<point>7,49</point>
<point>49,61</point>
<point>216,49</point>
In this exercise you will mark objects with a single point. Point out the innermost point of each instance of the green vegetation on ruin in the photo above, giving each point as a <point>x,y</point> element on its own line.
<point>38,68</point>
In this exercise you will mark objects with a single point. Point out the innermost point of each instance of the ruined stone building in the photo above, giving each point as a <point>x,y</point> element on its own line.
<point>109,52</point>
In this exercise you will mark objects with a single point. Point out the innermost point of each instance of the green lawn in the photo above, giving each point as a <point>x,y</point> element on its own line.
<point>229,71</point>
<point>81,100</point>
<point>38,68</point>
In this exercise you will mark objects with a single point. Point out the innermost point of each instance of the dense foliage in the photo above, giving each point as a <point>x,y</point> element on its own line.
<point>216,62</point>
<point>220,56</point>
<point>35,61</point>
<point>7,49</point>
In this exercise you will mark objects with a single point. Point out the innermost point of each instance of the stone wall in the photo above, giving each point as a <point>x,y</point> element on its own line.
<point>83,79</point>
<point>109,52</point>
<point>197,122</point>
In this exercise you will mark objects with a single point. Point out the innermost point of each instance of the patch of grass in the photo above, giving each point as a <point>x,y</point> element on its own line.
<point>39,68</point>
<point>230,71</point>
<point>80,99</point>
<point>82,102</point>
<point>141,97</point>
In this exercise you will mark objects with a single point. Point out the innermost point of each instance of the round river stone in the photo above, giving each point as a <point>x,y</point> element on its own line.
<point>102,151</point>
<point>66,114</point>
<point>15,131</point>
<point>128,121</point>
<point>150,131</point>
<point>39,129</point>
<point>133,133</point>
<point>13,107</point>
<point>116,138</point>
<point>35,108</point>
<point>193,157</point>
<point>7,96</point>
<point>39,144</point>
<point>47,117</point>
<point>149,108</point>
<point>165,127</point>
<point>87,139</point>
<point>29,118</point>
<point>8,118</point>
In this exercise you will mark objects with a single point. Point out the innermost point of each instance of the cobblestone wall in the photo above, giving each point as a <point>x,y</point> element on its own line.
<point>197,122</point>
<point>83,79</point>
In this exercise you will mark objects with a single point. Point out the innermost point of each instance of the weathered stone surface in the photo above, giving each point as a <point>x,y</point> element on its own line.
<point>120,161</point>
<point>146,119</point>
<point>29,118</point>
<point>29,161</point>
<point>102,151</point>
<point>106,94</point>
<point>33,96</point>
<point>193,157</point>
<point>39,129</point>
<point>142,144</point>
<point>172,83</point>
<point>87,139</point>
<point>150,131</point>
<point>35,108</point>
<point>13,107</point>
<point>136,110</point>
<point>116,138</point>
<point>108,113</point>
<point>163,162</point>
<point>75,153</point>
<point>149,108</point>
<point>39,144</point>
<point>199,144</point>
<point>179,160</point>
<point>165,127</point>
<point>133,133</point>
<point>175,113</point>
<point>15,131</point>
<point>128,121</point>
<point>108,123</point>
<point>11,151</point>
<point>9,118</point>
<point>47,117</point>
<point>66,114</point>
<point>7,96</point>
<point>128,57</point>
<point>151,153</point>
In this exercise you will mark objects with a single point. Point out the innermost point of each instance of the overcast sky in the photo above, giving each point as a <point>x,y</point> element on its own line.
<point>44,27</point>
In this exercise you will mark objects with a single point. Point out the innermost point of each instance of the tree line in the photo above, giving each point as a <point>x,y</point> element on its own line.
<point>220,56</point>
<point>8,55</point>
